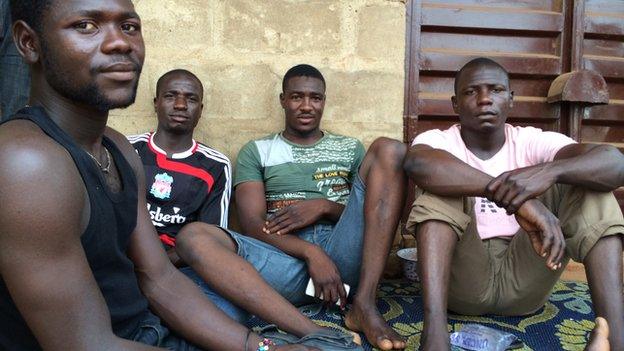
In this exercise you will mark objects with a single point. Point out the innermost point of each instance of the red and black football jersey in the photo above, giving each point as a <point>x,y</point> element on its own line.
<point>194,185</point>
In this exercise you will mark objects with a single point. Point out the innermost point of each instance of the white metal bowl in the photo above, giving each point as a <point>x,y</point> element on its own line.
<point>409,259</point>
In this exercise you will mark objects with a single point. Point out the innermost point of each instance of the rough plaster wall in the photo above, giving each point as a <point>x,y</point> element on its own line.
<point>240,49</point>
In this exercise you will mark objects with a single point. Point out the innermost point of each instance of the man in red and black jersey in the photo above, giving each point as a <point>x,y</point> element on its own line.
<point>186,181</point>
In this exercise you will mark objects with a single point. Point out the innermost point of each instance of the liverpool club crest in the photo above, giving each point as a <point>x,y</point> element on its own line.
<point>161,188</point>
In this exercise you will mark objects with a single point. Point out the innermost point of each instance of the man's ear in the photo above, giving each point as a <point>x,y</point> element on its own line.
<point>27,42</point>
<point>282,99</point>
<point>454,103</point>
<point>511,95</point>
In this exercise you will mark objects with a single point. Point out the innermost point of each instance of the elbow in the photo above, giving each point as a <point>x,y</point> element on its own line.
<point>411,165</point>
<point>415,168</point>
<point>153,286</point>
<point>616,159</point>
<point>620,168</point>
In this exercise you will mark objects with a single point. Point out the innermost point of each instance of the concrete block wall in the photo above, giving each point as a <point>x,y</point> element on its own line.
<point>240,49</point>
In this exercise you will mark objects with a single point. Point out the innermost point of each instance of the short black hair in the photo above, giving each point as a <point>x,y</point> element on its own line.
<point>302,70</point>
<point>30,11</point>
<point>177,71</point>
<point>479,61</point>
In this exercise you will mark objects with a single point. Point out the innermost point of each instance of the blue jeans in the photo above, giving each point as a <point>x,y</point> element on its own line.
<point>152,332</point>
<point>343,242</point>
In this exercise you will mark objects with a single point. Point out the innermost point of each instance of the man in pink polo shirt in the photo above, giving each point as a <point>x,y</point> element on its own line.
<point>500,210</point>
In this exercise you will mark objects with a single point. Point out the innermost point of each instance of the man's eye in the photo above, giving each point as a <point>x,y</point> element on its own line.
<point>469,92</point>
<point>295,97</point>
<point>85,26</point>
<point>130,27</point>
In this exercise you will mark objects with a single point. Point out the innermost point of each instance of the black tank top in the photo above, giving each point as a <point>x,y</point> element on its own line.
<point>105,241</point>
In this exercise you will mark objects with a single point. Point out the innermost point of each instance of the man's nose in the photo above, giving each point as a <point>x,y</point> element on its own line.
<point>115,41</point>
<point>306,104</point>
<point>180,103</point>
<point>484,97</point>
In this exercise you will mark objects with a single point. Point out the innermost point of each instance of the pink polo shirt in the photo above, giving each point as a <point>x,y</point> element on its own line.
<point>524,146</point>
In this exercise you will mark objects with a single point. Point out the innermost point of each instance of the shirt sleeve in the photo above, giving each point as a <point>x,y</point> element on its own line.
<point>543,146</point>
<point>216,206</point>
<point>434,138</point>
<point>248,165</point>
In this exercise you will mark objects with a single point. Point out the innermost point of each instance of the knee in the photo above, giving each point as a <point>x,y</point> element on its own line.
<point>387,150</point>
<point>433,228</point>
<point>195,237</point>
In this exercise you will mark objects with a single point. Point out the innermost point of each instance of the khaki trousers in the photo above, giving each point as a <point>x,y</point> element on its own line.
<point>506,276</point>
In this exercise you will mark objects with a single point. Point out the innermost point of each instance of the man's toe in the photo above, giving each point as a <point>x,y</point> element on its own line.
<point>399,344</point>
<point>384,343</point>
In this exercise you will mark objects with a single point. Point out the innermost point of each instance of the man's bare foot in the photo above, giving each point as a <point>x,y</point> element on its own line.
<point>368,320</point>
<point>599,337</point>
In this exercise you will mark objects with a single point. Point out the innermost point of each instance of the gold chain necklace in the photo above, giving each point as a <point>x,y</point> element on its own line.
<point>108,160</point>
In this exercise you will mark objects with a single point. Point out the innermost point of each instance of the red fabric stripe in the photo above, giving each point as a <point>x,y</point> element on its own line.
<point>166,239</point>
<point>163,162</point>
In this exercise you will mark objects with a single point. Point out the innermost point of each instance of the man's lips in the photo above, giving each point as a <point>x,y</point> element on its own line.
<point>179,118</point>
<point>487,114</point>
<point>121,71</point>
<point>305,117</point>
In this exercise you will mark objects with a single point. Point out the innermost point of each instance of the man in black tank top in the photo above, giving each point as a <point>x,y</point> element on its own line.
<point>80,261</point>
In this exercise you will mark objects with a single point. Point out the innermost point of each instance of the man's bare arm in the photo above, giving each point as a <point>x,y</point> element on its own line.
<point>595,167</point>
<point>42,261</point>
<point>302,214</point>
<point>592,166</point>
<point>441,173</point>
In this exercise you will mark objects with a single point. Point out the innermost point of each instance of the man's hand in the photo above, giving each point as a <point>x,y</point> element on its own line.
<point>544,231</point>
<point>512,189</point>
<point>295,216</point>
<point>326,278</point>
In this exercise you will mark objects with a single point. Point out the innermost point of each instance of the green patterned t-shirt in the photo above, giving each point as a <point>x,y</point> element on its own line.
<point>292,172</point>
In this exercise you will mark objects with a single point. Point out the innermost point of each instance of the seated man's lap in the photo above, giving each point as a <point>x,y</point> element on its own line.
<point>286,274</point>
<point>342,242</point>
<point>516,273</point>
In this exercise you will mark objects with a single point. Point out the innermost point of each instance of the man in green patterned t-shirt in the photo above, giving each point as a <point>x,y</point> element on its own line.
<point>313,207</point>
<point>292,172</point>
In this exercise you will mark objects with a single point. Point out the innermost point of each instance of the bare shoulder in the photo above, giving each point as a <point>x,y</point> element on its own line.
<point>28,153</point>
<point>37,173</point>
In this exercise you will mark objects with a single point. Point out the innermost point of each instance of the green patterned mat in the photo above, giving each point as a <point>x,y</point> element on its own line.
<point>563,324</point>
